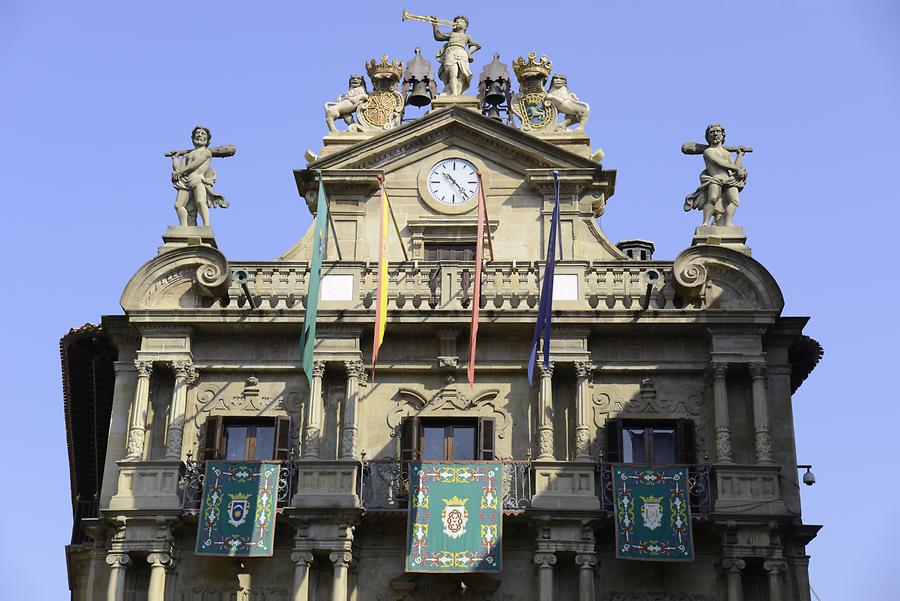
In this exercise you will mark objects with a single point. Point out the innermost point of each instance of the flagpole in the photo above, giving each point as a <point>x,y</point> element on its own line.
<point>486,218</point>
<point>380,179</point>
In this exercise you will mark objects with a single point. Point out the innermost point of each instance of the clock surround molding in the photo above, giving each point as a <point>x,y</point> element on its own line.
<point>439,207</point>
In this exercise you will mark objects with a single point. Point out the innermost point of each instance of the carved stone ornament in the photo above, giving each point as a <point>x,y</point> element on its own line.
<point>716,277</point>
<point>118,560</point>
<point>647,404</point>
<point>180,278</point>
<point>530,104</point>
<point>449,400</point>
<point>135,442</point>
<point>312,439</point>
<point>144,368</point>
<point>721,181</point>
<point>346,104</point>
<point>545,442</point>
<point>723,442</point>
<point>185,369</point>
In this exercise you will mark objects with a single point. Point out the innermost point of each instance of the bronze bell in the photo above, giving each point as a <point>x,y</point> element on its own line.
<point>493,112</point>
<point>494,93</point>
<point>419,95</point>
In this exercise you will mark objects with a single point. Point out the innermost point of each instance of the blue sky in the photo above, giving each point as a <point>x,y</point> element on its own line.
<point>96,92</point>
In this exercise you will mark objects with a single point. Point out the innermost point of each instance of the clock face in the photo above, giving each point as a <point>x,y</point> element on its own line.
<point>453,182</point>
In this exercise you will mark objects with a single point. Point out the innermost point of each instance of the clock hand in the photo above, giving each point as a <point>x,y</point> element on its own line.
<point>453,181</point>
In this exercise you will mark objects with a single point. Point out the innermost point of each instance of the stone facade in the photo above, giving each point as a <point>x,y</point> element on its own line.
<point>698,338</point>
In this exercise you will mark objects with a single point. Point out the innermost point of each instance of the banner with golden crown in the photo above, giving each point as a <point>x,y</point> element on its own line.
<point>455,517</point>
<point>653,513</point>
<point>237,513</point>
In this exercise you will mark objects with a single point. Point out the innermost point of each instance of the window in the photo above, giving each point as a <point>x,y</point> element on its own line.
<point>654,442</point>
<point>449,251</point>
<point>247,439</point>
<point>440,439</point>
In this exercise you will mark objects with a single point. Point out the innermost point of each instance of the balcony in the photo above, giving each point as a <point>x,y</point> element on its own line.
<point>384,485</point>
<point>701,493</point>
<point>513,288</point>
<point>191,485</point>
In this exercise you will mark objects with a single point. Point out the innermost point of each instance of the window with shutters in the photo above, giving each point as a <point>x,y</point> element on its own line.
<point>247,439</point>
<point>653,442</point>
<point>443,439</point>
<point>435,251</point>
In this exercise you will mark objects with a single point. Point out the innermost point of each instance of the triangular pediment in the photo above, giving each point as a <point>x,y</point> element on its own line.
<point>455,126</point>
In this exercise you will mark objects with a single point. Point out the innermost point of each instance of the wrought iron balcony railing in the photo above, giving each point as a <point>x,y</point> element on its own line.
<point>384,484</point>
<point>701,493</point>
<point>192,484</point>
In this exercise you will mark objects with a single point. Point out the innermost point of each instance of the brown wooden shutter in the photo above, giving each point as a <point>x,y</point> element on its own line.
<point>687,445</point>
<point>282,438</point>
<point>214,443</point>
<point>613,451</point>
<point>409,439</point>
<point>486,438</point>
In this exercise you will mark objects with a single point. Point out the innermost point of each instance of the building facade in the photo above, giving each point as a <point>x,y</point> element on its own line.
<point>654,362</point>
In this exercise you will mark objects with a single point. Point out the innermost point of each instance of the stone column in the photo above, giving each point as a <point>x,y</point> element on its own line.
<point>545,562</point>
<point>733,569</point>
<point>545,409</point>
<point>159,563</point>
<point>586,563</point>
<point>800,566</point>
<point>118,563</point>
<point>137,427</point>
<point>312,434</point>
<point>340,560</point>
<point>776,569</point>
<point>583,372</point>
<point>763,438</point>
<point>723,423</point>
<point>302,560</point>
<point>349,434</point>
<point>184,375</point>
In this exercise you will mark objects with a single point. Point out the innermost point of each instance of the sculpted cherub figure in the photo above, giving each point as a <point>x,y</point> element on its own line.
<point>455,56</point>
<point>347,103</point>
<point>193,178</point>
<point>721,181</point>
<point>567,103</point>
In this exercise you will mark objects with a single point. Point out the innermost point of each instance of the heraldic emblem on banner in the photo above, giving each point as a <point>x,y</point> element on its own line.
<point>455,517</point>
<point>653,515</point>
<point>237,513</point>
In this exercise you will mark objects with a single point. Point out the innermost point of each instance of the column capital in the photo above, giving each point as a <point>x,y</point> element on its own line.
<point>184,369</point>
<point>302,557</point>
<point>775,566</point>
<point>355,368</point>
<point>545,560</point>
<point>719,369</point>
<point>584,369</point>
<point>318,369</point>
<point>546,371</point>
<point>144,368</point>
<point>159,560</point>
<point>586,560</point>
<point>757,370</point>
<point>733,565</point>
<point>340,558</point>
<point>117,560</point>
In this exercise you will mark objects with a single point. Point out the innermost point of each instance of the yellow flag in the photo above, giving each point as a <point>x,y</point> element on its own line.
<point>382,280</point>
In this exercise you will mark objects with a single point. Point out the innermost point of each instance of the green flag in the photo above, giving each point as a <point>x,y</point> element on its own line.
<point>308,335</point>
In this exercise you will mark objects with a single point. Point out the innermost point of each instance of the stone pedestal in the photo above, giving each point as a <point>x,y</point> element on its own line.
<point>442,102</point>
<point>147,485</point>
<point>564,485</point>
<point>178,236</point>
<point>326,484</point>
<point>719,235</point>
<point>749,490</point>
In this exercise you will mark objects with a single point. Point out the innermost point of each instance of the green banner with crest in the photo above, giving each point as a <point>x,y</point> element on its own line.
<point>652,513</point>
<point>237,512</point>
<point>455,517</point>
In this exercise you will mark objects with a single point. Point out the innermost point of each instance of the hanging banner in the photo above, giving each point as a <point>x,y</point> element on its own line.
<point>455,517</point>
<point>653,513</point>
<point>237,512</point>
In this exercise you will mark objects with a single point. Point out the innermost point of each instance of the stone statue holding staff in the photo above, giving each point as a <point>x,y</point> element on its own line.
<point>721,181</point>
<point>193,178</point>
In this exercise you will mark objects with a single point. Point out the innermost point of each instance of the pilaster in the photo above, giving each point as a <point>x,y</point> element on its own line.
<point>723,422</point>
<point>312,434</point>
<point>762,435</point>
<point>583,372</point>
<point>137,427</point>
<point>185,374</point>
<point>350,432</point>
<point>545,411</point>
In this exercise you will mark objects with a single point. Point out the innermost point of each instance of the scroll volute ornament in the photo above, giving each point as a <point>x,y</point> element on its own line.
<point>178,279</point>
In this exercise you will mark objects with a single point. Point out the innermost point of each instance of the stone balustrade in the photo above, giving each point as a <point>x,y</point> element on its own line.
<point>447,286</point>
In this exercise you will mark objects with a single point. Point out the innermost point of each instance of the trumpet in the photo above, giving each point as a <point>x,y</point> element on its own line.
<point>407,16</point>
